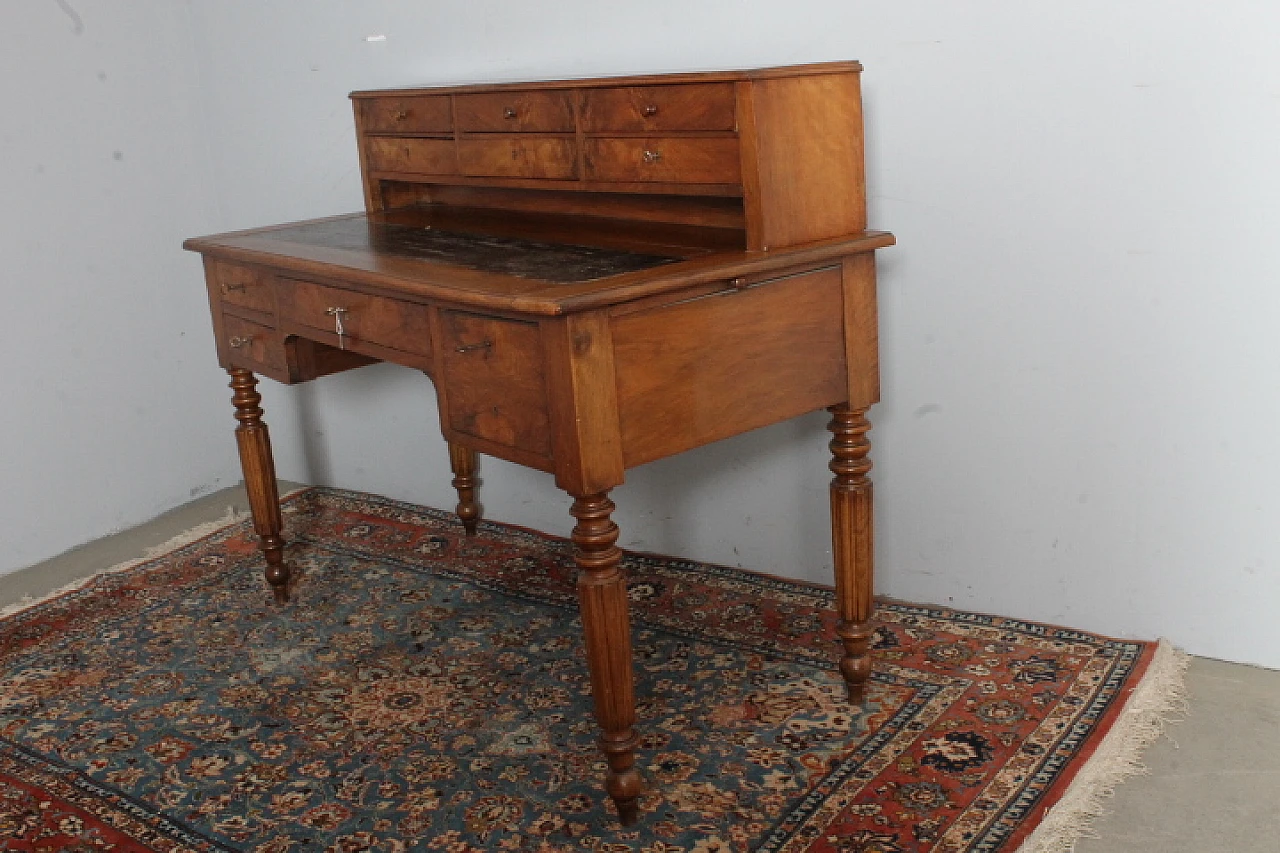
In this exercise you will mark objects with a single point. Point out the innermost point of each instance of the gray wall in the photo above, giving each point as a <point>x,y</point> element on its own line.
<point>112,411</point>
<point>1080,364</point>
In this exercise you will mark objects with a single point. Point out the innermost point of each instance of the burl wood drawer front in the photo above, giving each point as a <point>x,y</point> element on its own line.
<point>242,286</point>
<point>673,159</point>
<point>366,319</point>
<point>414,114</point>
<point>252,345</point>
<point>494,380</point>
<point>508,112</point>
<point>697,106</point>
<point>701,370</point>
<point>418,156</point>
<point>547,158</point>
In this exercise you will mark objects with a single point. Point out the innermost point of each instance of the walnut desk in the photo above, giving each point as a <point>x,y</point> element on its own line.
<point>595,274</point>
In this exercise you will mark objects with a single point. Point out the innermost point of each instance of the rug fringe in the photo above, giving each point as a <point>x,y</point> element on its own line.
<point>1160,699</point>
<point>186,537</point>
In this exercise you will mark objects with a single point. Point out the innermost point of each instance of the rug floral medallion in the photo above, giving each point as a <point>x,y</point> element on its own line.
<point>427,691</point>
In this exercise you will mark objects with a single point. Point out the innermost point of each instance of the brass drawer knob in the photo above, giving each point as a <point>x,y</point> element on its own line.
<point>652,156</point>
<point>649,111</point>
<point>236,341</point>
<point>400,115</point>
<point>227,288</point>
<point>509,112</point>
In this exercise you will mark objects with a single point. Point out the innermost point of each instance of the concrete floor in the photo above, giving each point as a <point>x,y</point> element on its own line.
<point>1215,778</point>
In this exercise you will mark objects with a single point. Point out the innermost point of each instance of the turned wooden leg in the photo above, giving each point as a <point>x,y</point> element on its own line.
<point>852,544</point>
<point>260,478</point>
<point>602,594</point>
<point>463,461</point>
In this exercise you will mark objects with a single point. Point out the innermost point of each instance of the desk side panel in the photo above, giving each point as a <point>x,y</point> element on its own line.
<point>699,370</point>
<point>803,159</point>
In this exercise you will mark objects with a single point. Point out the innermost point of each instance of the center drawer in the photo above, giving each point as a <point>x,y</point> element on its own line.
<point>366,319</point>
<point>542,157</point>
<point>522,112</point>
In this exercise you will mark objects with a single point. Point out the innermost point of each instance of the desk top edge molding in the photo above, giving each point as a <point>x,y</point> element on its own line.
<point>431,283</point>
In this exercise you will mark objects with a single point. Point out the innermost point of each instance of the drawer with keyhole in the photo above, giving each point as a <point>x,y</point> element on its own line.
<point>412,155</point>
<point>350,320</point>
<point>241,286</point>
<point>493,380</point>
<point>252,345</point>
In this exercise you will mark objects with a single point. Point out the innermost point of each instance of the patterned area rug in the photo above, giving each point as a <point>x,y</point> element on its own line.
<point>426,691</point>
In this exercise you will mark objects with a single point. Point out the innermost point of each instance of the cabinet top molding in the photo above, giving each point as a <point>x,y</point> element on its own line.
<point>730,76</point>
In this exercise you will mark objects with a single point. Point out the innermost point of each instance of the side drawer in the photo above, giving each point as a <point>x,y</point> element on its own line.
<point>494,383</point>
<point>408,154</point>
<point>522,112</point>
<point>412,114</point>
<point>366,319</point>
<point>692,106</point>
<point>685,160</point>
<point>252,345</point>
<point>242,286</point>
<point>541,157</point>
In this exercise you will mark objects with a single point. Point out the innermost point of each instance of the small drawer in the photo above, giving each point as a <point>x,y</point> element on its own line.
<point>493,380</point>
<point>515,112</point>
<point>366,319</point>
<point>407,154</point>
<point>252,345</point>
<point>672,159</point>
<point>547,158</point>
<point>242,286</point>
<point>697,106</point>
<point>413,114</point>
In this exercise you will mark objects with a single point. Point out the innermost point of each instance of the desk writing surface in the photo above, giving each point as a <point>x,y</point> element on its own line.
<point>553,263</point>
<point>538,264</point>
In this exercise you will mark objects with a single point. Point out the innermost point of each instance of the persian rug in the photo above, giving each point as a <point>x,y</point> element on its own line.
<point>427,691</point>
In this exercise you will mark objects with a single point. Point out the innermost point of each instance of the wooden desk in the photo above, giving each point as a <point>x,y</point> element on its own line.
<point>595,274</point>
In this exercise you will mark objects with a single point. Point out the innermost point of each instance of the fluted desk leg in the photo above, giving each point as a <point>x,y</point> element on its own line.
<point>463,461</point>
<point>851,539</point>
<point>260,478</point>
<point>602,594</point>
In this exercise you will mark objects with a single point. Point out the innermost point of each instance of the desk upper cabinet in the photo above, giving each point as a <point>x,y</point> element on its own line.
<point>595,274</point>
<point>775,153</point>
